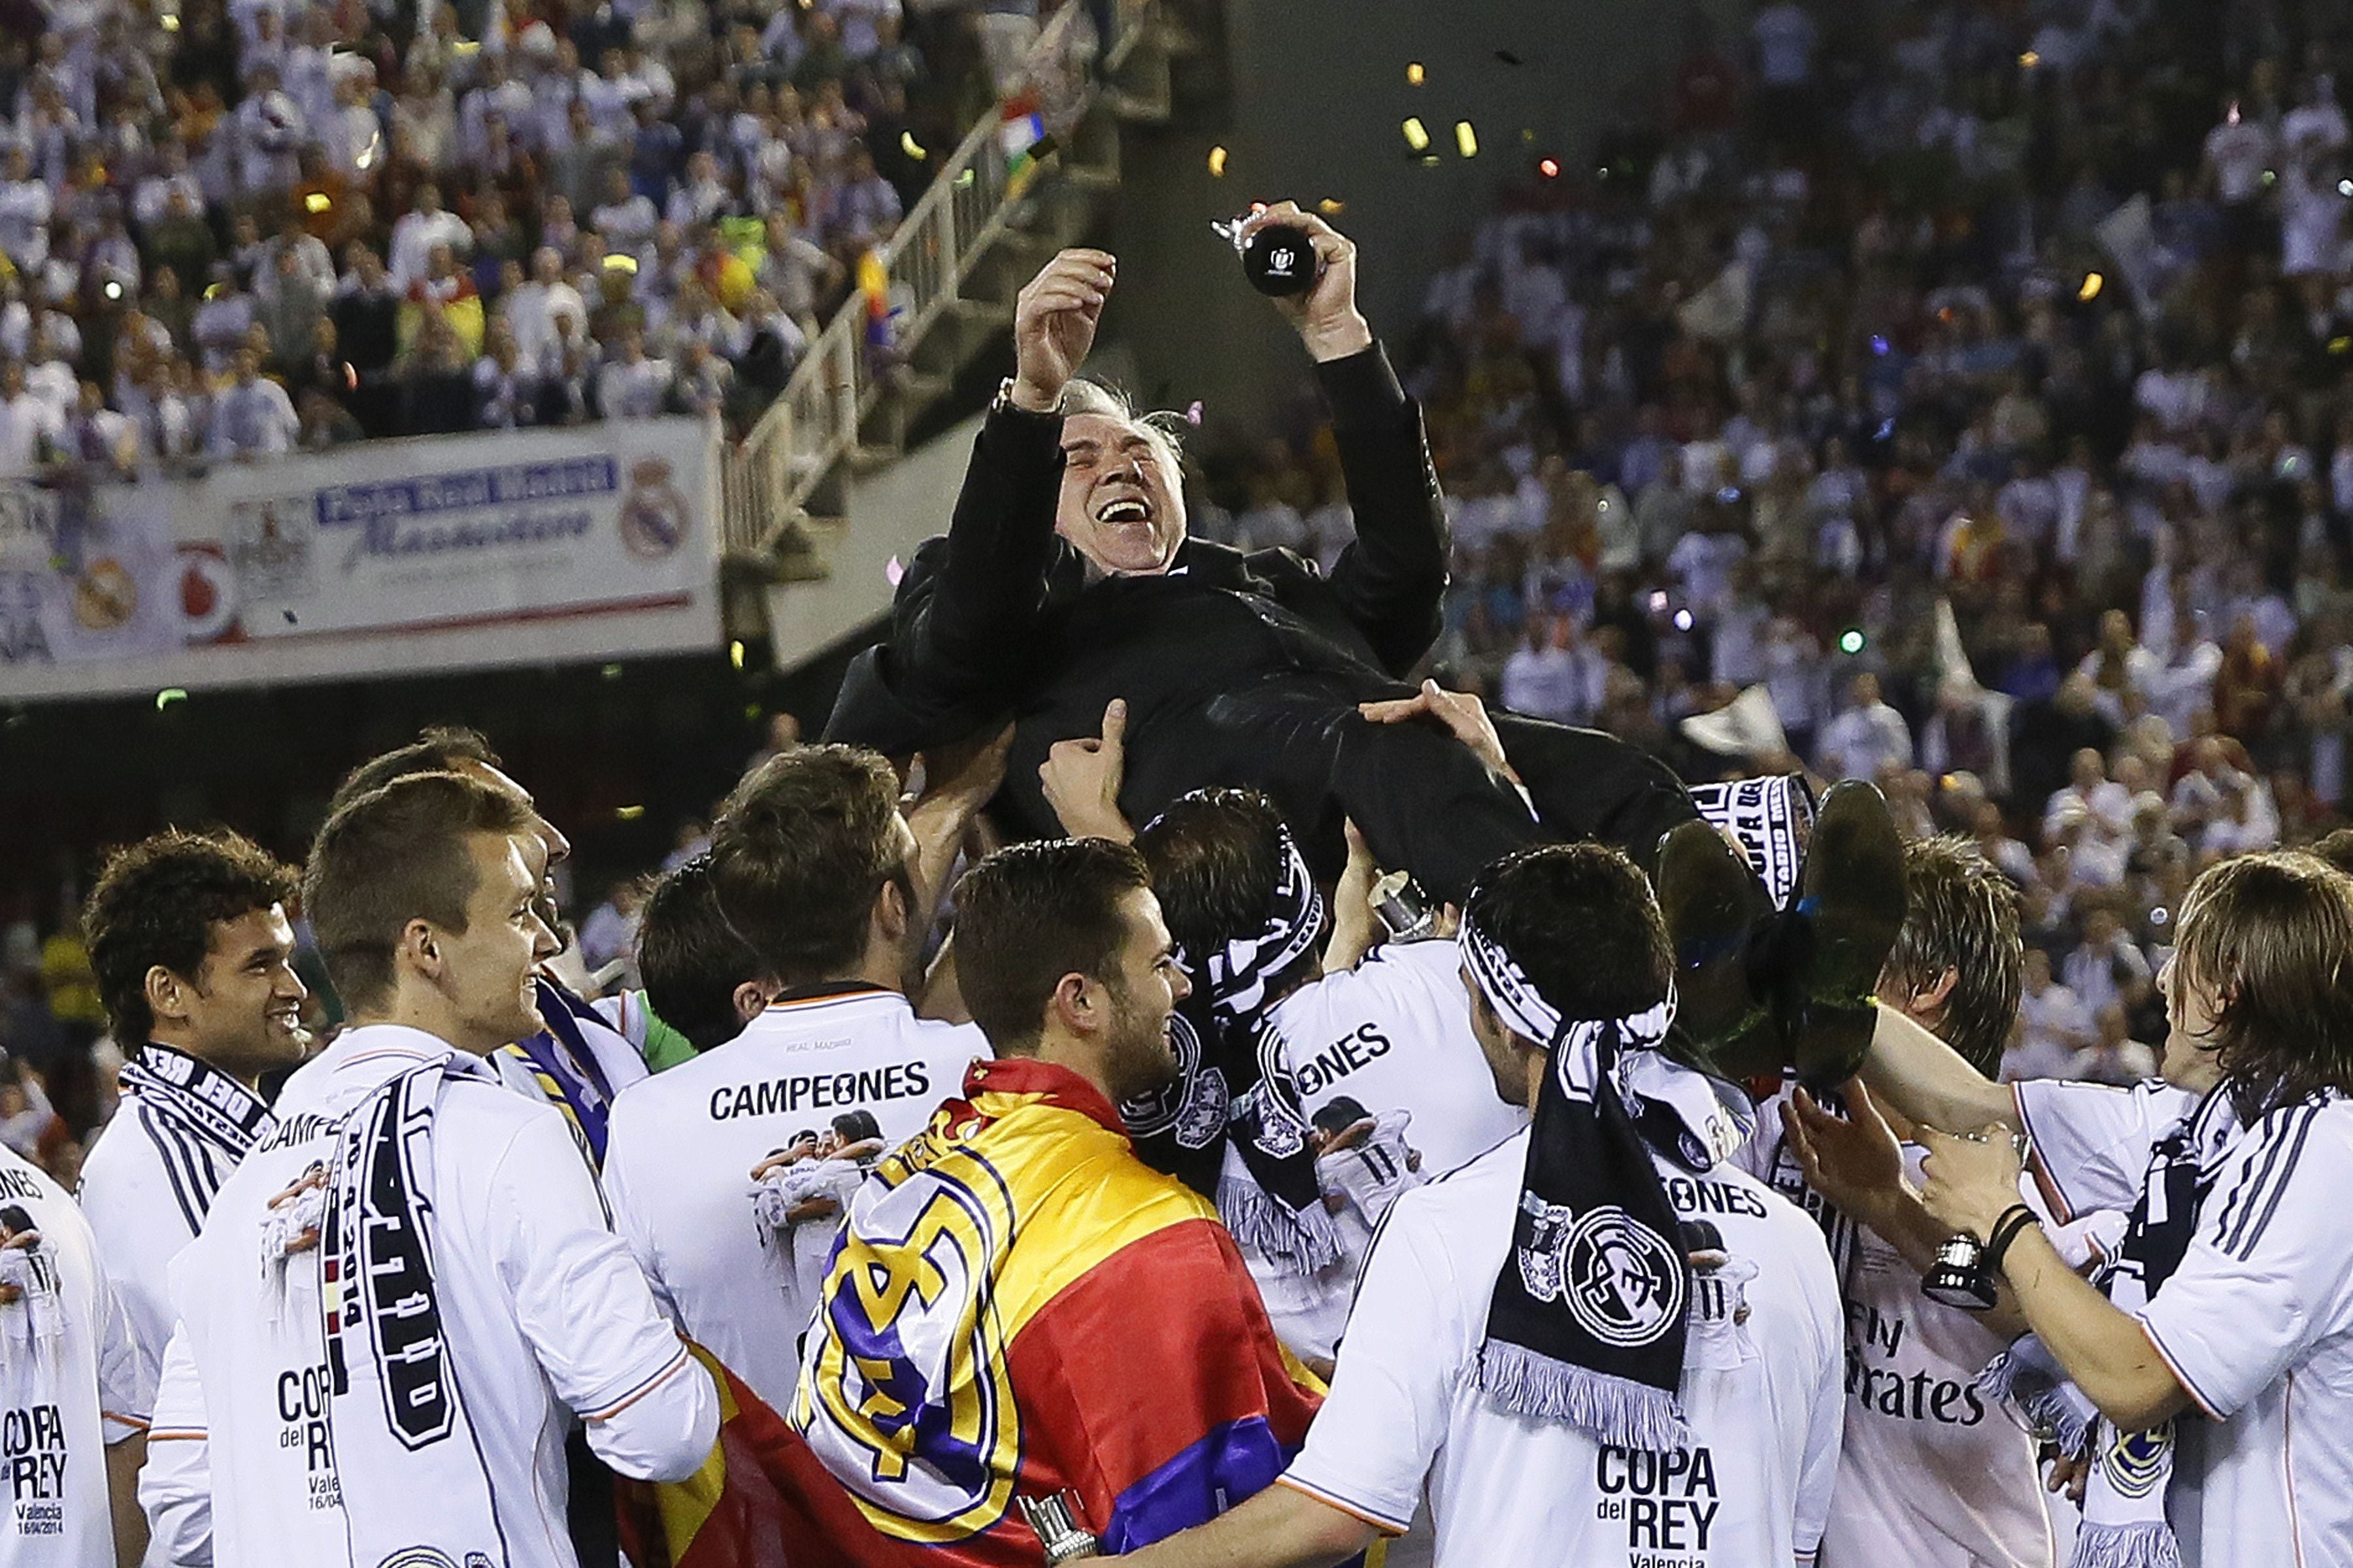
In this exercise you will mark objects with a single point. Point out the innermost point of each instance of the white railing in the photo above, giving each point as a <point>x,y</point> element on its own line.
<point>814,423</point>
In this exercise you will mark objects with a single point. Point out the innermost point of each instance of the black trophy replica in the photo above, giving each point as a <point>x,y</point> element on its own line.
<point>1279,259</point>
<point>1960,1277</point>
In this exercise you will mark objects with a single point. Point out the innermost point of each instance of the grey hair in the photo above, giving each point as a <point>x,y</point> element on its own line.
<point>1164,428</point>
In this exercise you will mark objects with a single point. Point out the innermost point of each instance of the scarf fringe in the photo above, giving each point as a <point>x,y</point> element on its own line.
<point>2007,1379</point>
<point>1616,1410</point>
<point>2125,1546</point>
<point>1299,1241</point>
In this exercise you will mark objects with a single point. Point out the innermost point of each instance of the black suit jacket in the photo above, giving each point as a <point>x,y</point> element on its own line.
<point>998,617</point>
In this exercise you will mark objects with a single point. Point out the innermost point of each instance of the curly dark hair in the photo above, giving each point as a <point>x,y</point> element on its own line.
<point>155,904</point>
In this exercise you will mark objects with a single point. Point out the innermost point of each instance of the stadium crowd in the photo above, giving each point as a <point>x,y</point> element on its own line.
<point>2041,314</point>
<point>1881,1059</point>
<point>235,229</point>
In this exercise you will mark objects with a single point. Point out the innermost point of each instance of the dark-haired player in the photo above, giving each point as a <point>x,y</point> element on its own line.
<point>1532,1349</point>
<point>194,952</point>
<point>832,887</point>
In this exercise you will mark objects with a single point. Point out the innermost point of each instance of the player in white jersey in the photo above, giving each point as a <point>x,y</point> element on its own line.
<point>1564,1380</point>
<point>1931,1470</point>
<point>194,954</point>
<point>402,1297</point>
<point>2230,1297</point>
<point>832,889</point>
<point>74,1395</point>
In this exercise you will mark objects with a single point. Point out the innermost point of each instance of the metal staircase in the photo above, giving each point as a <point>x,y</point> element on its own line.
<point>990,219</point>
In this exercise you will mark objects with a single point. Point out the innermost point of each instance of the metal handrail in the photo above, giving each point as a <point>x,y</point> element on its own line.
<point>813,425</point>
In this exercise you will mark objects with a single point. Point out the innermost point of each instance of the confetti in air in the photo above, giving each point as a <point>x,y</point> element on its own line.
<point>893,571</point>
<point>1193,412</point>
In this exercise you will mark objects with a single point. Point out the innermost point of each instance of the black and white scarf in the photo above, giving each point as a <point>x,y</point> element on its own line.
<point>1587,1324</point>
<point>2124,1495</point>
<point>1771,817</point>
<point>202,1122</point>
<point>1234,1085</point>
<point>401,1431</point>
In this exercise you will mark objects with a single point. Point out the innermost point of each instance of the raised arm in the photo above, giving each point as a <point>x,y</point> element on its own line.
<point>1389,582</point>
<point>965,615</point>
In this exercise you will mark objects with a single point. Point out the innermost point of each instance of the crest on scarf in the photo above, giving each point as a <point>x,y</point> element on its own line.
<point>2135,1463</point>
<point>1194,1106</point>
<point>1619,1279</point>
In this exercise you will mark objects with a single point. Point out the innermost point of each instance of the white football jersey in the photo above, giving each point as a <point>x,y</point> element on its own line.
<point>545,1316</point>
<point>1761,1391</point>
<point>679,1160</point>
<point>70,1381</point>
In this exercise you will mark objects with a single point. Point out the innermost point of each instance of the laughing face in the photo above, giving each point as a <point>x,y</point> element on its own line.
<point>1122,504</point>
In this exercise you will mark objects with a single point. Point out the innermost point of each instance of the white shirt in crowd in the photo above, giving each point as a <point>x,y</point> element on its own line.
<point>1861,741</point>
<point>2056,1025</point>
<point>62,1399</point>
<point>252,418</point>
<point>1761,1387</point>
<point>680,1148</point>
<point>545,1316</point>
<point>415,234</point>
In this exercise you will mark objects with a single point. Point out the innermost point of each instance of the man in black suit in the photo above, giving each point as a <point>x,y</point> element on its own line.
<point>1066,582</point>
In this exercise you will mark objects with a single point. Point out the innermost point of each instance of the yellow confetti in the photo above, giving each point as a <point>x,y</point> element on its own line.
<point>1217,163</point>
<point>2093,284</point>
<point>317,202</point>
<point>1414,75</point>
<point>2030,59</point>
<point>629,813</point>
<point>909,146</point>
<point>1417,135</point>
<point>1466,141</point>
<point>1331,206</point>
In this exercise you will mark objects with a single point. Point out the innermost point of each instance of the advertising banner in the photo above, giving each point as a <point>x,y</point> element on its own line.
<point>439,553</point>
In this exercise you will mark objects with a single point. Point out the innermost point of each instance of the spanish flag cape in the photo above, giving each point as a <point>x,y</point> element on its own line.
<point>1021,1308</point>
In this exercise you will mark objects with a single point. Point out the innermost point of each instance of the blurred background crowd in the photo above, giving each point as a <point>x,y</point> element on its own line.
<point>230,228</point>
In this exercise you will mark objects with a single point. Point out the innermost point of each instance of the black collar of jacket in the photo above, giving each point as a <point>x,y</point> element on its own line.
<point>1204,561</point>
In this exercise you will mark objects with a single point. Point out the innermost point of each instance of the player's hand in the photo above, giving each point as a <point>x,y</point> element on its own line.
<point>1855,1160</point>
<point>964,776</point>
<point>1054,322</point>
<point>1968,1183</point>
<point>1354,920</point>
<point>1081,780</point>
<point>1327,315</point>
<point>1464,716</point>
<point>2068,1474</point>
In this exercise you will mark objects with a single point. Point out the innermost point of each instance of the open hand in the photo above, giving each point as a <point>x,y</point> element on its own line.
<point>1854,1161</point>
<point>1054,322</point>
<point>1464,716</point>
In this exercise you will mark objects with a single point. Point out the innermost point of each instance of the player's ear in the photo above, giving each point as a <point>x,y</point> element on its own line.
<point>751,1000</point>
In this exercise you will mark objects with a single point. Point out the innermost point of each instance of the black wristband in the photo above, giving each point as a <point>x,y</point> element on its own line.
<point>2007,1228</point>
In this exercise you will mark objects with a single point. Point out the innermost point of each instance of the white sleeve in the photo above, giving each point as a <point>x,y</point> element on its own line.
<point>627,1202</point>
<point>652,1411</point>
<point>135,1220</point>
<point>2092,1142</point>
<point>2268,1275</point>
<point>175,1485</point>
<point>1372,1444</point>
<point>1825,1430</point>
<point>126,1380</point>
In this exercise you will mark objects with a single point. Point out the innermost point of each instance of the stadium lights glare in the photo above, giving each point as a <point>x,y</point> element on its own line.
<point>1417,135</point>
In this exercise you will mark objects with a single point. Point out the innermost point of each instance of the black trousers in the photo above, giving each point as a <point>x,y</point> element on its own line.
<point>1422,801</point>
